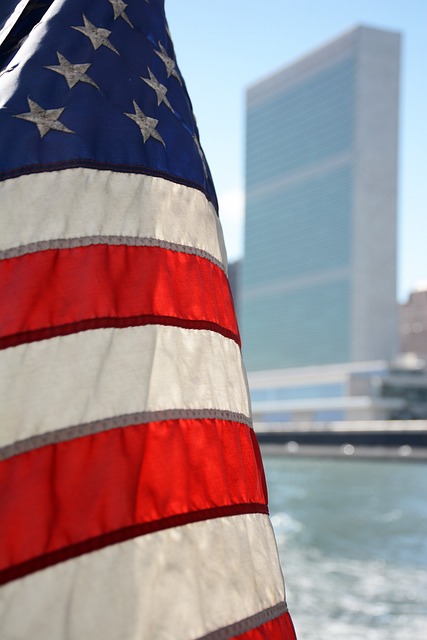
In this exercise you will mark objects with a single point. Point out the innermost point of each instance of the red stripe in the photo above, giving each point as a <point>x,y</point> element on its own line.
<point>73,492</point>
<point>65,290</point>
<point>280,628</point>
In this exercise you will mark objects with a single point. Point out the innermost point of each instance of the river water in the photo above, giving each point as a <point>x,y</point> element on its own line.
<point>352,539</point>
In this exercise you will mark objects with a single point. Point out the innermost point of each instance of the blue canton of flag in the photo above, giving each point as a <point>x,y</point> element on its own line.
<point>87,74</point>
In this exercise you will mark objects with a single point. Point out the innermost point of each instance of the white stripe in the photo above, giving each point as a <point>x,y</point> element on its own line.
<point>13,18</point>
<point>172,585</point>
<point>92,375</point>
<point>74,203</point>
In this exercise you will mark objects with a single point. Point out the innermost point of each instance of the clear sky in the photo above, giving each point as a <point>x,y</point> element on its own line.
<point>224,46</point>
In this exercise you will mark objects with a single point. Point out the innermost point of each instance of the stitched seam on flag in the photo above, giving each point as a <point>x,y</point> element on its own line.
<point>90,324</point>
<point>116,422</point>
<point>247,624</point>
<point>86,241</point>
<point>121,535</point>
<point>106,166</point>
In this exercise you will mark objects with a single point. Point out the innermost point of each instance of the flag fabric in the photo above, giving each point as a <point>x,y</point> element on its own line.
<point>133,501</point>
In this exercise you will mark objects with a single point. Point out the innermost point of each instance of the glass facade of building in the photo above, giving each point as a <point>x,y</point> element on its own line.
<point>300,392</point>
<point>298,231</point>
<point>301,126</point>
<point>297,281</point>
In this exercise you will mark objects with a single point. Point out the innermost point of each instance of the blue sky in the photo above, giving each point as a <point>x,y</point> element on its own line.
<point>224,46</point>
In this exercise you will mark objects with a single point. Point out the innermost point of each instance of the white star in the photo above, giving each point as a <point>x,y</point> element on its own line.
<point>73,73</point>
<point>119,10</point>
<point>168,62</point>
<point>201,154</point>
<point>146,124</point>
<point>159,88</point>
<point>44,119</point>
<point>97,36</point>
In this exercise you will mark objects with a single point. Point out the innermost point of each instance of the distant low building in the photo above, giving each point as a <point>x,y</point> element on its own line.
<point>375,390</point>
<point>413,323</point>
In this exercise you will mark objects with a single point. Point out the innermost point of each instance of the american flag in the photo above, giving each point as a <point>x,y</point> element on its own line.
<point>133,502</point>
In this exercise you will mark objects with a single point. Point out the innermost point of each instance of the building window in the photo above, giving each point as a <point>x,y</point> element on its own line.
<point>304,392</point>
<point>328,415</point>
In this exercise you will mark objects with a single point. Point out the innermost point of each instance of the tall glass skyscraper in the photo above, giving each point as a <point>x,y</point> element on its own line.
<point>319,273</point>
